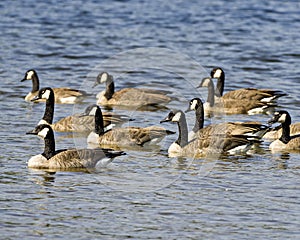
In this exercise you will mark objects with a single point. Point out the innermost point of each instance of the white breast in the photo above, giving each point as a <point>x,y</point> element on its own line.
<point>92,138</point>
<point>174,150</point>
<point>191,135</point>
<point>38,161</point>
<point>277,145</point>
<point>101,98</point>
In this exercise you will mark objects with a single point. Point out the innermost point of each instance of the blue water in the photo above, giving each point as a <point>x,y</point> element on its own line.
<point>157,44</point>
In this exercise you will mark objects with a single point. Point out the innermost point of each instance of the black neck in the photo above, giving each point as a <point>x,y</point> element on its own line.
<point>183,132</point>
<point>49,110</point>
<point>220,85</point>
<point>35,83</point>
<point>99,126</point>
<point>199,119</point>
<point>110,89</point>
<point>211,93</point>
<point>49,150</point>
<point>285,137</point>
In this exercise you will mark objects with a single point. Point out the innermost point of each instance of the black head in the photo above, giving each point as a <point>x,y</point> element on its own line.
<point>91,109</point>
<point>42,130</point>
<point>206,82</point>
<point>45,93</point>
<point>217,73</point>
<point>281,117</point>
<point>29,75</point>
<point>103,77</point>
<point>194,104</point>
<point>173,116</point>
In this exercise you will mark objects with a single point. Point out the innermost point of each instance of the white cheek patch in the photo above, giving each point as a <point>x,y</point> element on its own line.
<point>177,117</point>
<point>282,118</point>
<point>93,111</point>
<point>218,73</point>
<point>46,94</point>
<point>104,77</point>
<point>29,75</point>
<point>206,82</point>
<point>43,133</point>
<point>193,105</point>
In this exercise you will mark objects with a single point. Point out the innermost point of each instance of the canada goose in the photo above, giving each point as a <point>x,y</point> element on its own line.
<point>73,123</point>
<point>233,128</point>
<point>123,137</point>
<point>66,158</point>
<point>203,145</point>
<point>276,132</point>
<point>232,106</point>
<point>131,97</point>
<point>263,95</point>
<point>286,141</point>
<point>62,95</point>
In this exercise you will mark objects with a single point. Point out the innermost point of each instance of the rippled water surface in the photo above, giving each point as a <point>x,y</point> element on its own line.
<point>156,44</point>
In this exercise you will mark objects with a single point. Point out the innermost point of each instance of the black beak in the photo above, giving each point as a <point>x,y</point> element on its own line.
<point>32,132</point>
<point>188,110</point>
<point>24,79</point>
<point>273,120</point>
<point>95,84</point>
<point>167,119</point>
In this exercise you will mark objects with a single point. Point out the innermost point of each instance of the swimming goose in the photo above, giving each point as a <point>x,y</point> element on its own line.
<point>62,95</point>
<point>131,97</point>
<point>286,141</point>
<point>74,123</point>
<point>67,158</point>
<point>124,137</point>
<point>219,142</point>
<point>232,106</point>
<point>263,95</point>
<point>276,132</point>
<point>233,128</point>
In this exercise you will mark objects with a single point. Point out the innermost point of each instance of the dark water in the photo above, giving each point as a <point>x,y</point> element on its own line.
<point>145,194</point>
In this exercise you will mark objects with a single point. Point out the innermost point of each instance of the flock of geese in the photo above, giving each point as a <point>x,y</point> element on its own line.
<point>106,136</point>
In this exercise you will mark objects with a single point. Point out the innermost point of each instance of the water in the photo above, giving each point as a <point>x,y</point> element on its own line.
<point>145,194</point>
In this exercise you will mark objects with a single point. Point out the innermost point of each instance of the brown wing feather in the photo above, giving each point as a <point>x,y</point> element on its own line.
<point>131,135</point>
<point>294,143</point>
<point>138,97</point>
<point>68,92</point>
<point>232,106</point>
<point>84,123</point>
<point>251,94</point>
<point>76,158</point>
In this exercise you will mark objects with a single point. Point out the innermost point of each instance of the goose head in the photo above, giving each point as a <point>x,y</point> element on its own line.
<point>217,73</point>
<point>206,82</point>
<point>173,116</point>
<point>44,93</point>
<point>194,104</point>
<point>44,131</point>
<point>29,75</point>
<point>281,117</point>
<point>102,78</point>
<point>90,110</point>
